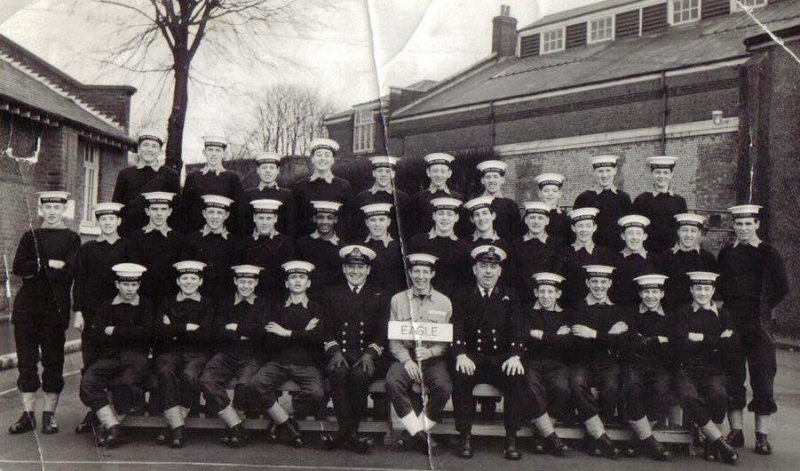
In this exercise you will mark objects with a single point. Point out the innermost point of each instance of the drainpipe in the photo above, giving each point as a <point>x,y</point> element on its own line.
<point>494,126</point>
<point>665,112</point>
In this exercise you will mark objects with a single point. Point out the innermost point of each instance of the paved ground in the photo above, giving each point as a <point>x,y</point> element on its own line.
<point>70,452</point>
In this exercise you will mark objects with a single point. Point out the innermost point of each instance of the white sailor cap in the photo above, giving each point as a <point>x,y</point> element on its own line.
<point>158,197</point>
<point>745,211</point>
<point>547,278</point>
<point>545,179</point>
<point>478,203</point>
<point>383,161</point>
<point>265,206</point>
<point>702,277</point>
<point>583,213</point>
<point>651,281</point>
<point>326,206</point>
<point>536,207</point>
<point>604,161</point>
<point>189,267</point>
<point>690,219</point>
<point>322,143</point>
<point>438,158</point>
<point>445,203</point>
<point>246,271</point>
<point>217,201</point>
<point>267,157</point>
<point>488,254</point>
<point>128,271</point>
<point>633,220</point>
<point>150,135</point>
<point>422,259</point>
<point>377,209</point>
<point>298,266</point>
<point>357,254</point>
<point>102,209</point>
<point>52,197</point>
<point>661,161</point>
<point>492,166</point>
<point>218,141</point>
<point>598,271</point>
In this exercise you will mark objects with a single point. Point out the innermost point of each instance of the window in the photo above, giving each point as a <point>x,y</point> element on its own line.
<point>91,169</point>
<point>364,131</point>
<point>553,40</point>
<point>684,11</point>
<point>601,29</point>
<point>747,4</point>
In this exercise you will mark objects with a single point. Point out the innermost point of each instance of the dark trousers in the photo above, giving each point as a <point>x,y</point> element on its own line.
<point>603,375</point>
<point>179,377</point>
<point>702,395</point>
<point>29,339</point>
<point>219,372</point>
<point>89,351</point>
<point>349,391</point>
<point>265,383</point>
<point>755,351</point>
<point>646,391</point>
<point>548,383</point>
<point>436,379</point>
<point>125,376</point>
<point>518,405</point>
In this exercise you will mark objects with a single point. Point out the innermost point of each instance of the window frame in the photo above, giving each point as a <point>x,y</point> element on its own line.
<point>364,131</point>
<point>671,12</point>
<point>90,157</point>
<point>611,19</point>
<point>543,41</point>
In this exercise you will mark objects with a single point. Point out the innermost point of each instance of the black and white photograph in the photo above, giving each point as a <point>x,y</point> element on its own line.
<point>399,235</point>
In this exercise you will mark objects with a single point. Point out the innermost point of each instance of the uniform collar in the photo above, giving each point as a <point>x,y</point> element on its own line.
<point>357,288</point>
<point>494,237</point>
<point>164,230</point>
<point>271,234</point>
<point>316,176</point>
<point>111,240</point>
<point>713,307</point>
<point>386,239</point>
<point>643,309</point>
<point>118,300</point>
<point>238,298</point>
<point>626,252</point>
<point>207,230</point>
<point>334,239</point>
<point>599,190</point>
<point>433,190</point>
<point>541,237</point>
<point>375,188</point>
<point>302,299</point>
<point>432,235</point>
<point>155,165</point>
<point>556,307</point>
<point>261,186</point>
<point>194,297</point>
<point>755,242</point>
<point>677,248</point>
<point>589,247</point>
<point>593,302</point>
<point>484,292</point>
<point>216,170</point>
<point>59,225</point>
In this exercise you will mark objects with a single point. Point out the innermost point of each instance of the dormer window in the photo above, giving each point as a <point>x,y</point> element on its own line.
<point>684,11</point>
<point>601,29</point>
<point>552,40</point>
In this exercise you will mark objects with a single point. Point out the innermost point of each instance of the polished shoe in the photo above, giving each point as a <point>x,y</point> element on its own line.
<point>510,451</point>
<point>607,447</point>
<point>591,447</point>
<point>114,437</point>
<point>177,440</point>
<point>238,436</point>
<point>554,445</point>
<point>87,424</point>
<point>710,451</point>
<point>762,444</point>
<point>735,438</point>
<point>465,447</point>
<point>361,444</point>
<point>725,452</point>
<point>654,449</point>
<point>25,423</point>
<point>334,441</point>
<point>49,425</point>
<point>292,433</point>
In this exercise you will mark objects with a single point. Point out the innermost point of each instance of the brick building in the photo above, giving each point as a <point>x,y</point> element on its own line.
<point>76,137</point>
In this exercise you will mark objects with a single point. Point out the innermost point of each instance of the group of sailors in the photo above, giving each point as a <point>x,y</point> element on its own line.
<point>611,311</point>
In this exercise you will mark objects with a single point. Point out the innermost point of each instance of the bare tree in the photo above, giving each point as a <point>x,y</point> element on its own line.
<point>230,28</point>
<point>286,117</point>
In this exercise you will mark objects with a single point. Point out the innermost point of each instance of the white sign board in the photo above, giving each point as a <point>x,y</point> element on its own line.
<point>420,331</point>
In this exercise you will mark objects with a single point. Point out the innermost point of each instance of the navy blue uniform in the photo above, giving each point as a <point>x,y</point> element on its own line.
<point>131,183</point>
<point>661,210</point>
<point>612,205</point>
<point>226,184</point>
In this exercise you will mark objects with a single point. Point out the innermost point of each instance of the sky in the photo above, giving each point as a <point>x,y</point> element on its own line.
<point>351,53</point>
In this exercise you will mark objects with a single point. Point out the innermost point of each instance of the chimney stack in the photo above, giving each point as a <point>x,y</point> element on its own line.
<point>504,33</point>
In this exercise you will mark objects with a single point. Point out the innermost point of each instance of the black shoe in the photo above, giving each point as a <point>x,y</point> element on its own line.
<point>510,452</point>
<point>238,436</point>
<point>538,445</point>
<point>114,437</point>
<point>735,438</point>
<point>361,444</point>
<point>465,447</point>
<point>762,444</point>
<point>424,443</point>
<point>591,447</point>
<point>554,445</point>
<point>87,424</point>
<point>177,437</point>
<point>654,449</point>
<point>607,447</point>
<point>163,436</point>
<point>710,451</point>
<point>225,438</point>
<point>292,433</point>
<point>726,452</point>
<point>25,423</point>
<point>334,441</point>
<point>631,448</point>
<point>49,425</point>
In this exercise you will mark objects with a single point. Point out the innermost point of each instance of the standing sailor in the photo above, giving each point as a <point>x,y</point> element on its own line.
<point>660,205</point>
<point>582,252</point>
<point>387,268</point>
<point>268,167</point>
<point>383,191</point>
<point>550,185</point>
<point>536,251</point>
<point>268,248</point>
<point>437,168</point>
<point>685,256</point>
<point>612,202</point>
<point>631,262</point>
<point>493,177</point>
<point>321,247</point>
